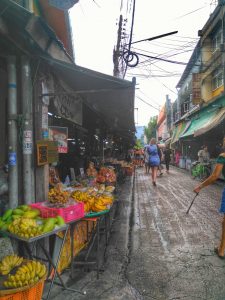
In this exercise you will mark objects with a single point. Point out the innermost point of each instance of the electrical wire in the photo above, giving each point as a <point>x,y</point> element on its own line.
<point>148,103</point>
<point>131,33</point>
<point>148,97</point>
<point>191,12</point>
<point>163,59</point>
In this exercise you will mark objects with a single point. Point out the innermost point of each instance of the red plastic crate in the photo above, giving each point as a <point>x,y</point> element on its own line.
<point>69,213</point>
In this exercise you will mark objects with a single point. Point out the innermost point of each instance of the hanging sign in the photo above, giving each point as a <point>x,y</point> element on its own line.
<point>53,155</point>
<point>27,142</point>
<point>12,158</point>
<point>44,119</point>
<point>60,135</point>
<point>42,154</point>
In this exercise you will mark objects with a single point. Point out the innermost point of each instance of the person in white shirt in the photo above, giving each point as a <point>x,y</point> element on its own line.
<point>203,155</point>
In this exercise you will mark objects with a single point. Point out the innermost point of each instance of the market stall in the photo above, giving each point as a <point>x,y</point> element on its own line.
<point>74,214</point>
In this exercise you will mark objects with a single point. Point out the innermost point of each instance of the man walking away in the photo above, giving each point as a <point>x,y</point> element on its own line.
<point>160,157</point>
<point>167,158</point>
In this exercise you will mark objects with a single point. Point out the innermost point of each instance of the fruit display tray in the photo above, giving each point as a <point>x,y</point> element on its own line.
<point>69,213</point>
<point>96,214</point>
<point>35,238</point>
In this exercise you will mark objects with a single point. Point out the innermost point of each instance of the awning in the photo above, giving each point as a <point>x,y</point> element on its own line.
<point>205,121</point>
<point>110,97</point>
<point>210,124</point>
<point>179,130</point>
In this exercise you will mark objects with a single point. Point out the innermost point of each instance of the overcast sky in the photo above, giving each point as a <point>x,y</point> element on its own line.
<point>95,34</point>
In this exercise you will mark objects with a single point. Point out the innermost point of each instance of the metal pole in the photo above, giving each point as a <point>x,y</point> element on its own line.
<point>28,4</point>
<point>12,132</point>
<point>27,109</point>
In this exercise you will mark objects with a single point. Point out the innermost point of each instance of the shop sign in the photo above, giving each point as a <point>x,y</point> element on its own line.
<point>12,158</point>
<point>42,154</point>
<point>53,155</point>
<point>60,135</point>
<point>68,107</point>
<point>44,121</point>
<point>27,142</point>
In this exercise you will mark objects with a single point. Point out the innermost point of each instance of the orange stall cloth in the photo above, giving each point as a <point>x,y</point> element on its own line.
<point>81,232</point>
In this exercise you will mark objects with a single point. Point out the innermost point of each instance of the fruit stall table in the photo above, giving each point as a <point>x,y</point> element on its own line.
<point>29,246</point>
<point>97,219</point>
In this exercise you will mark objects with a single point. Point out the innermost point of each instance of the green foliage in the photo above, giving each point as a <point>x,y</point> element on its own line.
<point>138,144</point>
<point>150,130</point>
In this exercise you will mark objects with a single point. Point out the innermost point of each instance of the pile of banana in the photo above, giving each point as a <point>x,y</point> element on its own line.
<point>28,228</point>
<point>22,211</point>
<point>25,228</point>
<point>9,262</point>
<point>101,203</point>
<point>27,274</point>
<point>95,203</point>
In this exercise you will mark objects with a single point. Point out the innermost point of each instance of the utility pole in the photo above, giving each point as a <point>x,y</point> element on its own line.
<point>116,52</point>
<point>27,109</point>
<point>12,132</point>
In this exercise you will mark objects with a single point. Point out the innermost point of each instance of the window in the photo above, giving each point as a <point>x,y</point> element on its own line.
<point>217,79</point>
<point>186,106</point>
<point>217,40</point>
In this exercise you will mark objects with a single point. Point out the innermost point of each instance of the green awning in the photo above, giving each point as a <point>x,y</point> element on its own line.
<point>179,130</point>
<point>205,121</point>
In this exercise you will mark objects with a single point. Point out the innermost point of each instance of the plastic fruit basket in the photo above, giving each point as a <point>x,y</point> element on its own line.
<point>69,213</point>
<point>32,293</point>
<point>28,292</point>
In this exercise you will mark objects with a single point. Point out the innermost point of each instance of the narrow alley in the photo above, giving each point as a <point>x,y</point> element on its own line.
<point>172,256</point>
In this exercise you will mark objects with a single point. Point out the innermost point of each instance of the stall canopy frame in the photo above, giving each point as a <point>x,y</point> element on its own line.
<point>110,97</point>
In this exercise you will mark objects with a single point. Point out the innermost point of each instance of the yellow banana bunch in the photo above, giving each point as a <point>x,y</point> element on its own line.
<point>25,228</point>
<point>96,207</point>
<point>105,200</point>
<point>29,273</point>
<point>9,262</point>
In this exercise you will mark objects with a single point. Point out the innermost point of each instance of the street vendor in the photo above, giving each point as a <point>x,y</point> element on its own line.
<point>203,155</point>
<point>219,168</point>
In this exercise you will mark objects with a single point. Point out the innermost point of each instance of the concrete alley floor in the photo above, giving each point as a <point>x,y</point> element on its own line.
<point>157,251</point>
<point>172,253</point>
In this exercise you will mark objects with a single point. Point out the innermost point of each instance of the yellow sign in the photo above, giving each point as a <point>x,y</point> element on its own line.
<point>42,154</point>
<point>53,155</point>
